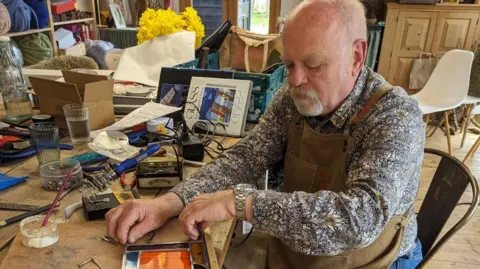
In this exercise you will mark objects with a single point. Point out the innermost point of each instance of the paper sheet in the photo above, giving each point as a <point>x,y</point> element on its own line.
<point>142,114</point>
<point>112,148</point>
<point>143,63</point>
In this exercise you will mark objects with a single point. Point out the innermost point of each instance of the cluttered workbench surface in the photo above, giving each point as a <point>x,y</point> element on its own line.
<point>80,239</point>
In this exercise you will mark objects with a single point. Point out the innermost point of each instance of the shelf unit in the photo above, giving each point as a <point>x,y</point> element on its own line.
<point>73,21</point>
<point>86,5</point>
<point>32,31</point>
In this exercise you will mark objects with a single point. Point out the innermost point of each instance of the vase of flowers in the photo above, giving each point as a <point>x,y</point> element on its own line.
<point>161,22</point>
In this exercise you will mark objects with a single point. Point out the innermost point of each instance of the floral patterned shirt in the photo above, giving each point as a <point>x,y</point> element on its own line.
<point>383,172</point>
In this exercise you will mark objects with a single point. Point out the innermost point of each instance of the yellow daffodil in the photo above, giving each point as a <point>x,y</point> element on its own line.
<point>164,22</point>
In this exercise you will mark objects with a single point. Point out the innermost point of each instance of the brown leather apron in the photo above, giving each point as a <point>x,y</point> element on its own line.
<point>316,162</point>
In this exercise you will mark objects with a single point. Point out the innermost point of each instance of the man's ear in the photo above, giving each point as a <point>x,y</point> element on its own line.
<point>359,56</point>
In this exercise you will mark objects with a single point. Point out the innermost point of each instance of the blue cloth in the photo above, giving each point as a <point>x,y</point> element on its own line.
<point>7,181</point>
<point>411,259</point>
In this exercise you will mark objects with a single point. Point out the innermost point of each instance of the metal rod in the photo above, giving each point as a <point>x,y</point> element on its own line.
<point>84,263</point>
<point>96,263</point>
<point>151,237</point>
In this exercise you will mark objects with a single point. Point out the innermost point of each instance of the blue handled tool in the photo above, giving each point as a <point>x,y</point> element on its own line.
<point>129,163</point>
<point>111,172</point>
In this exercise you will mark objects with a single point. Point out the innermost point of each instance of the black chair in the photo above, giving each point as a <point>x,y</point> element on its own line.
<point>448,185</point>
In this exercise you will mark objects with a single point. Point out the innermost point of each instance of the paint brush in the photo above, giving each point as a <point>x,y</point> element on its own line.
<point>55,201</point>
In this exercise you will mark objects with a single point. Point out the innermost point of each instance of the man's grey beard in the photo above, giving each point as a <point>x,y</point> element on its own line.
<point>306,101</point>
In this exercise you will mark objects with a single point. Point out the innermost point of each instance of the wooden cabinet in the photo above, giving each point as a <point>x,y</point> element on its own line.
<point>454,31</point>
<point>414,35</point>
<point>412,30</point>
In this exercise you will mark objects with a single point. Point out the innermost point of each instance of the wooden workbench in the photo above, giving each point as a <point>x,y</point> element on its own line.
<point>32,192</point>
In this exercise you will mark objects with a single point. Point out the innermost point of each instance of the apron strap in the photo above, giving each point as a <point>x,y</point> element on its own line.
<point>377,94</point>
<point>406,217</point>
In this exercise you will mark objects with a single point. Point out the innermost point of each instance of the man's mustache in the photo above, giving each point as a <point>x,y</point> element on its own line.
<point>301,92</point>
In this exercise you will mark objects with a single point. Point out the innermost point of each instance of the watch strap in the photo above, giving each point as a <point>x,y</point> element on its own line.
<point>240,202</point>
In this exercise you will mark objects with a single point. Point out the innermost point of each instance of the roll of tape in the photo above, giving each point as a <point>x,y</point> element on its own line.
<point>152,125</point>
<point>137,91</point>
<point>119,136</point>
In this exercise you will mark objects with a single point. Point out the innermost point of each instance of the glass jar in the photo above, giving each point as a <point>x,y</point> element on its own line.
<point>36,236</point>
<point>12,85</point>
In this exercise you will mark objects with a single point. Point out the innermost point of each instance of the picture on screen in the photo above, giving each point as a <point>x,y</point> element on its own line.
<point>217,104</point>
<point>173,94</point>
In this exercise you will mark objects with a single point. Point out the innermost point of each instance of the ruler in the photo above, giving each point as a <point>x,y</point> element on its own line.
<point>17,207</point>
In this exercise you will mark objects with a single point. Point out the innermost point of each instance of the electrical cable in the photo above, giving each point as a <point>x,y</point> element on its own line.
<point>206,127</point>
<point>180,171</point>
<point>220,149</point>
<point>243,240</point>
<point>158,193</point>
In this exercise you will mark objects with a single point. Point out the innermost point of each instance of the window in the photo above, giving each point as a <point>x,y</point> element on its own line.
<point>259,16</point>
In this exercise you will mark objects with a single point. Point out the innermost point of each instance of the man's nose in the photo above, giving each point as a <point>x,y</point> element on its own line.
<point>297,77</point>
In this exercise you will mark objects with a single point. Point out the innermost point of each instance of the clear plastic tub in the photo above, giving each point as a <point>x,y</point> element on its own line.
<point>53,173</point>
<point>34,236</point>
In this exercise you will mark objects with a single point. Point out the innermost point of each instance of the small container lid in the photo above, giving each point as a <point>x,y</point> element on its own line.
<point>42,118</point>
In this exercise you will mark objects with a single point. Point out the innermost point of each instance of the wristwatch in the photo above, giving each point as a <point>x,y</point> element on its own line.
<point>241,192</point>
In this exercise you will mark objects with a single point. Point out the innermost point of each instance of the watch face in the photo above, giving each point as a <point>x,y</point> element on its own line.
<point>244,187</point>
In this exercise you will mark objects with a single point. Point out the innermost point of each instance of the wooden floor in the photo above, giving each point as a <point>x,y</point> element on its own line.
<point>463,249</point>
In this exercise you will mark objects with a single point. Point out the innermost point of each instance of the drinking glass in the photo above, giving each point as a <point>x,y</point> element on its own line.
<point>46,140</point>
<point>78,122</point>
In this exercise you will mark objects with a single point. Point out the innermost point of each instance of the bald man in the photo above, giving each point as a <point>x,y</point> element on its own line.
<point>348,147</point>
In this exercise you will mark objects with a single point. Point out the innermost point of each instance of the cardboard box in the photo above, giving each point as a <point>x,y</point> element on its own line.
<point>64,38</point>
<point>96,92</point>
<point>78,49</point>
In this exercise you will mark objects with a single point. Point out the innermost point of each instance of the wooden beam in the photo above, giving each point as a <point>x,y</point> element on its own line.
<point>183,4</point>
<point>230,11</point>
<point>275,6</point>
<point>52,29</point>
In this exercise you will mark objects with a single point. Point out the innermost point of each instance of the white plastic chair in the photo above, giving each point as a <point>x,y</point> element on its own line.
<point>470,102</point>
<point>474,111</point>
<point>447,87</point>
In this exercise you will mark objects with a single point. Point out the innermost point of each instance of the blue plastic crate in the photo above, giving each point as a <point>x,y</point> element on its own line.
<point>212,62</point>
<point>264,85</point>
<point>264,88</point>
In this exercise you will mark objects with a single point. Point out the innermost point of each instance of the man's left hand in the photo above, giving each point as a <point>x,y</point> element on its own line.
<point>205,209</point>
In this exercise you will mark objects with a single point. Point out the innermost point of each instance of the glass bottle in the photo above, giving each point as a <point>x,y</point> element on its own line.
<point>12,85</point>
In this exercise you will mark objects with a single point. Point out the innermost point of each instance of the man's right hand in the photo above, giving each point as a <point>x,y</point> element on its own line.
<point>135,218</point>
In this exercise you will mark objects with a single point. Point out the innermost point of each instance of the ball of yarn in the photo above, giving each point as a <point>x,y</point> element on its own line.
<point>35,48</point>
<point>41,11</point>
<point>16,52</point>
<point>20,15</point>
<point>5,22</point>
<point>97,49</point>
<point>66,62</point>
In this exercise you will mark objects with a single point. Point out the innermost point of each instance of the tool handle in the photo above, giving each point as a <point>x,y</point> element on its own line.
<point>129,163</point>
<point>24,215</point>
